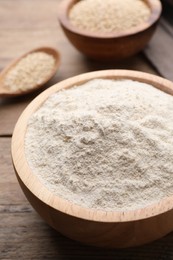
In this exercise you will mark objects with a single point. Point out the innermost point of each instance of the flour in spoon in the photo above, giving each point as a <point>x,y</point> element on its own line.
<point>105,145</point>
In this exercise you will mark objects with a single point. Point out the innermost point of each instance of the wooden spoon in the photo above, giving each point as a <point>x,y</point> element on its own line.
<point>7,92</point>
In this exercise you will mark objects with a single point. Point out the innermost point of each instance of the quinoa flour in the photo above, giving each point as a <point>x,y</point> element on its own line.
<point>104,145</point>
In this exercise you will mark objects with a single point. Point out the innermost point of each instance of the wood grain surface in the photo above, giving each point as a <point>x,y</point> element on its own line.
<point>24,25</point>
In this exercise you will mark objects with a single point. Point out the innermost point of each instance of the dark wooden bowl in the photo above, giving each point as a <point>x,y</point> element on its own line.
<point>94,227</point>
<point>114,46</point>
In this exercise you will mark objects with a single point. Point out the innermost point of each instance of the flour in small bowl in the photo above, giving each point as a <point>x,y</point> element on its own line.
<point>105,145</point>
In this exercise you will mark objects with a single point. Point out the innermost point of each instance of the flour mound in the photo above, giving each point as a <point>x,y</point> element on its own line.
<point>104,145</point>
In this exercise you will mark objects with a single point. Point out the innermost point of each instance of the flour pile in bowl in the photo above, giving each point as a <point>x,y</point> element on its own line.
<point>105,145</point>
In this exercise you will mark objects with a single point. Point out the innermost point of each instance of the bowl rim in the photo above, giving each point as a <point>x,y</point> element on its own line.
<point>31,181</point>
<point>64,7</point>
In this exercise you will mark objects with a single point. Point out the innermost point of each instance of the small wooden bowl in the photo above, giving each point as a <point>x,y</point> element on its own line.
<point>94,227</point>
<point>114,46</point>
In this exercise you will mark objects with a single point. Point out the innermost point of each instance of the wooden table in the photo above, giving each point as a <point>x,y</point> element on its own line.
<point>26,24</point>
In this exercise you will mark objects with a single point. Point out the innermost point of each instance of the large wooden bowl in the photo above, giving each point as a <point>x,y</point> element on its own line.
<point>114,46</point>
<point>99,228</point>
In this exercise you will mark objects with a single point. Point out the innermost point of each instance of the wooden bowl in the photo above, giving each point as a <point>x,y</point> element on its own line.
<point>114,46</point>
<point>94,227</point>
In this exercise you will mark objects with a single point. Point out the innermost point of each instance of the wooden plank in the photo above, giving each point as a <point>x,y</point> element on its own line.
<point>9,187</point>
<point>29,238</point>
